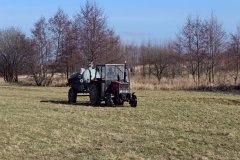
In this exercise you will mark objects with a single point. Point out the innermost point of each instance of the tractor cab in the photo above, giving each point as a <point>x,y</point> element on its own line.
<point>111,85</point>
<point>111,74</point>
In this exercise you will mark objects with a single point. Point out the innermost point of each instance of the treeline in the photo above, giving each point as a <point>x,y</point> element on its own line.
<point>58,45</point>
<point>201,50</point>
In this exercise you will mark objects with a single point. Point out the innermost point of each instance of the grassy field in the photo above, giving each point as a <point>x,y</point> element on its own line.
<point>37,123</point>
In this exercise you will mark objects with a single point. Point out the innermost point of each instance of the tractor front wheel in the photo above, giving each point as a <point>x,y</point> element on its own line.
<point>95,95</point>
<point>133,101</point>
<point>72,96</point>
<point>109,101</point>
<point>118,101</point>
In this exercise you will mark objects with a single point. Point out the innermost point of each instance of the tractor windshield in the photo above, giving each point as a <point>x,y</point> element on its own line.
<point>115,72</point>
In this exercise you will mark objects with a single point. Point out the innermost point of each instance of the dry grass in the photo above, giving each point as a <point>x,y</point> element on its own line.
<point>165,84</point>
<point>36,123</point>
<point>59,80</point>
<point>2,81</point>
<point>181,83</point>
<point>139,83</point>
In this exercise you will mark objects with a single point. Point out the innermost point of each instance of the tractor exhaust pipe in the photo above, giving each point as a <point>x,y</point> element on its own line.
<point>125,73</point>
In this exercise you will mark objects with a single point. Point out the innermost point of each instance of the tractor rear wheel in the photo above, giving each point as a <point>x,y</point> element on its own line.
<point>72,96</point>
<point>95,98</point>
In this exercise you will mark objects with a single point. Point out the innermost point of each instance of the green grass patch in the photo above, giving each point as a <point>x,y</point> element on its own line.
<point>37,123</point>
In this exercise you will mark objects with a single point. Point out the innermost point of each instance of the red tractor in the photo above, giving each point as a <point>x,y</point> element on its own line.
<point>111,85</point>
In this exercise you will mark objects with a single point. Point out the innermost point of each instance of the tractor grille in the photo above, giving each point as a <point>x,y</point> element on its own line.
<point>124,88</point>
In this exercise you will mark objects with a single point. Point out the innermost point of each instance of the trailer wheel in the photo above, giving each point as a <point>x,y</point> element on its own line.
<point>72,96</point>
<point>95,98</point>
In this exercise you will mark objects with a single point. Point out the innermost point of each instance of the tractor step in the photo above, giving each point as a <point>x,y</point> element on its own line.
<point>83,95</point>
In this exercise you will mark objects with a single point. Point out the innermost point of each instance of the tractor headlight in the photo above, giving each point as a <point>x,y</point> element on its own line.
<point>123,91</point>
<point>124,88</point>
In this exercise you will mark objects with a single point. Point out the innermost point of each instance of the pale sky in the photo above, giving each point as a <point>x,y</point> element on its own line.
<point>135,21</point>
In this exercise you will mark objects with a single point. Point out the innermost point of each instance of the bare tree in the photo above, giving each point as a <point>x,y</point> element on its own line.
<point>59,27</point>
<point>235,48</point>
<point>74,57</point>
<point>42,66</point>
<point>193,39</point>
<point>131,53</point>
<point>13,50</point>
<point>160,61</point>
<point>147,58</point>
<point>144,59</point>
<point>199,45</point>
<point>187,41</point>
<point>96,40</point>
<point>113,52</point>
<point>215,42</point>
<point>177,48</point>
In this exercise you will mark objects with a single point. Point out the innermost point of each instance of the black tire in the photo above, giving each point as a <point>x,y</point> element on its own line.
<point>121,103</point>
<point>72,96</point>
<point>118,101</point>
<point>133,101</point>
<point>95,98</point>
<point>108,101</point>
